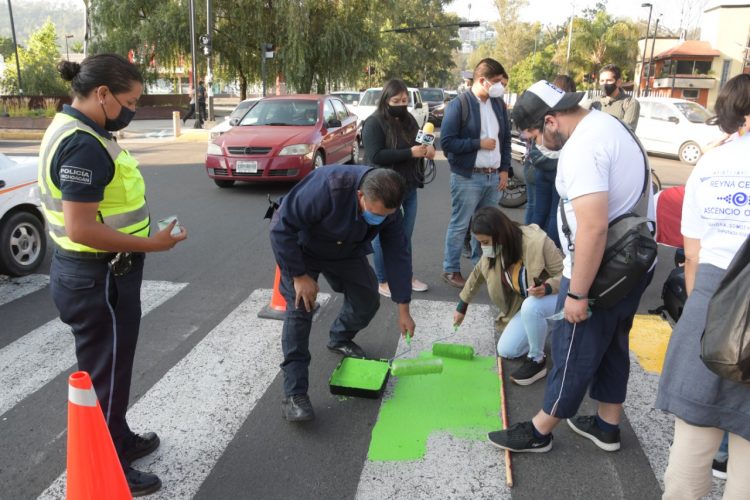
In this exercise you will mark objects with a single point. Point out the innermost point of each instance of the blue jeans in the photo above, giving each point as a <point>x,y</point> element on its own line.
<point>530,175</point>
<point>546,201</point>
<point>467,195</point>
<point>723,454</point>
<point>409,207</point>
<point>527,330</point>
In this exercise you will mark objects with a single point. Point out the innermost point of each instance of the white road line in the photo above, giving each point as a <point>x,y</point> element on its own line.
<point>39,356</point>
<point>451,468</point>
<point>15,288</point>
<point>202,401</point>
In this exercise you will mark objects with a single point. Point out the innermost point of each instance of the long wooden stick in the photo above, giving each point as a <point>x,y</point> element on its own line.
<point>504,408</point>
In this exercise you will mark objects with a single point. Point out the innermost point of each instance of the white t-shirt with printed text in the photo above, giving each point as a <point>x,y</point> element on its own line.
<point>716,209</point>
<point>600,155</point>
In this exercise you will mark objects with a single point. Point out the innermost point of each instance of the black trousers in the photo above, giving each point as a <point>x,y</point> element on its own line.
<point>104,313</point>
<point>352,277</point>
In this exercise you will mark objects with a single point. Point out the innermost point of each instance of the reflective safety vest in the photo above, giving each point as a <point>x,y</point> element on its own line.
<point>124,205</point>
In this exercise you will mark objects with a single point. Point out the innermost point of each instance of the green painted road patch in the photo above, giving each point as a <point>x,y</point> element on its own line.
<point>464,400</point>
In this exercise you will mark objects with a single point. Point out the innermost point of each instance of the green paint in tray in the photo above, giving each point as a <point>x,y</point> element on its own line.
<point>359,374</point>
<point>464,401</point>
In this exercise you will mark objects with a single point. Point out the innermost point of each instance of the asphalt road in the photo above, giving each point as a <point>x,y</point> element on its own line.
<point>225,259</point>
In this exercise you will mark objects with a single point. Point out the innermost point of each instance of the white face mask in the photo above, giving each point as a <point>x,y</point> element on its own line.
<point>496,90</point>
<point>488,251</point>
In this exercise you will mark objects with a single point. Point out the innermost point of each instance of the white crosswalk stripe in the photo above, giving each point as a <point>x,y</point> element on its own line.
<point>452,467</point>
<point>39,356</point>
<point>199,405</point>
<point>15,288</point>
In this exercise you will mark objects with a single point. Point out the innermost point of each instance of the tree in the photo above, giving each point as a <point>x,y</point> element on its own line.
<point>38,62</point>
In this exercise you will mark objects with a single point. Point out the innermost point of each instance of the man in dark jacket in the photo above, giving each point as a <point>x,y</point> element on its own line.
<point>324,226</point>
<point>478,151</point>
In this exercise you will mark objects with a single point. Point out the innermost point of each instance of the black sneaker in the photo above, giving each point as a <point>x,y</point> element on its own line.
<point>297,408</point>
<point>586,426</point>
<point>347,348</point>
<point>520,438</point>
<point>529,372</point>
<point>141,445</point>
<point>719,469</point>
<point>142,483</point>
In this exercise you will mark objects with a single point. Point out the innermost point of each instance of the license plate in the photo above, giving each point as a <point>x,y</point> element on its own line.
<point>246,167</point>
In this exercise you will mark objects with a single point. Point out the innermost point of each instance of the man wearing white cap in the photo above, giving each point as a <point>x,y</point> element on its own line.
<point>600,175</point>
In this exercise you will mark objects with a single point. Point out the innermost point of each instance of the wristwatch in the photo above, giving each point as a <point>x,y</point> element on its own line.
<point>576,296</point>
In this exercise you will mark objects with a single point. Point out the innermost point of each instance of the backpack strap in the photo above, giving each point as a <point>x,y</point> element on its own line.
<point>463,99</point>
<point>641,206</point>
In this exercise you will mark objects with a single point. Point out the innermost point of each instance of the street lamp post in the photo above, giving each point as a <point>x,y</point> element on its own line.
<point>645,43</point>
<point>67,53</point>
<point>15,48</point>
<point>570,34</point>
<point>651,57</point>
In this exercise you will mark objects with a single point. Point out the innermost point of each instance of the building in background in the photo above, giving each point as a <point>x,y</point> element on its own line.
<point>697,69</point>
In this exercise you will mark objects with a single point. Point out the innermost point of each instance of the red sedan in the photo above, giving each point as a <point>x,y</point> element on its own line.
<point>283,138</point>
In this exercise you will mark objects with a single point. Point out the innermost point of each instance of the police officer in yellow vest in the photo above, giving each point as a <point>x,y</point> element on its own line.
<point>93,198</point>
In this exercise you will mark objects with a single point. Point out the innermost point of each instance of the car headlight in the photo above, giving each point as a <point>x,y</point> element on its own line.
<point>214,149</point>
<point>296,150</point>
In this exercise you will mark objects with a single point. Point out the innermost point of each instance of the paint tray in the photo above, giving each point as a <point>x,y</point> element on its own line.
<point>362,378</point>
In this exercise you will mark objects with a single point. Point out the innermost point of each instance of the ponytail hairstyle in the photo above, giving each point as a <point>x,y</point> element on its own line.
<point>111,70</point>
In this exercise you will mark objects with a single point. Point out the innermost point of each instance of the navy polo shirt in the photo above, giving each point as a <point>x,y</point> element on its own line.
<point>81,168</point>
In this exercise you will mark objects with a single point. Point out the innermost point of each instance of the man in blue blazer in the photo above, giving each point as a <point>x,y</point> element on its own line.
<point>475,135</point>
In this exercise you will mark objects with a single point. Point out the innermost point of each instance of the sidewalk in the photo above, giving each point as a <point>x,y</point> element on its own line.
<point>137,129</point>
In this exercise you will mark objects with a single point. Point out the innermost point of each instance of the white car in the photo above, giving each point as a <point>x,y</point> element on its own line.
<point>23,241</point>
<point>675,127</point>
<point>350,97</point>
<point>236,115</point>
<point>369,103</point>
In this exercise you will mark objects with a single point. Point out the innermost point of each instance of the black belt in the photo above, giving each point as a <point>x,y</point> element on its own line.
<point>485,170</point>
<point>86,255</point>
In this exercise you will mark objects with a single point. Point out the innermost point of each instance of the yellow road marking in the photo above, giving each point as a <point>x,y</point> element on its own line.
<point>649,338</point>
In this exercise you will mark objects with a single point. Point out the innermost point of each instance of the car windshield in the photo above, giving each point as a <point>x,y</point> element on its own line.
<point>280,112</point>
<point>693,112</point>
<point>431,94</point>
<point>349,97</point>
<point>370,98</point>
<point>241,109</point>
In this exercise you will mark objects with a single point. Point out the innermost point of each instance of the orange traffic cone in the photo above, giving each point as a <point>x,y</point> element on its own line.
<point>277,308</point>
<point>94,471</point>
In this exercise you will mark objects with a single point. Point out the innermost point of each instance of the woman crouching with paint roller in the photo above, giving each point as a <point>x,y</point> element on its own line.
<point>522,268</point>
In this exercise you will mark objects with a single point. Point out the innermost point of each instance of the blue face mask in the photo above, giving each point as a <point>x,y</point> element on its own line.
<point>373,219</point>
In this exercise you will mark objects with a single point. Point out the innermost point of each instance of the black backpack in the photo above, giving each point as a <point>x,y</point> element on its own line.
<point>674,293</point>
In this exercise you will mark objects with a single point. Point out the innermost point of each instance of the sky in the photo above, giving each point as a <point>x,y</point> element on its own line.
<point>558,11</point>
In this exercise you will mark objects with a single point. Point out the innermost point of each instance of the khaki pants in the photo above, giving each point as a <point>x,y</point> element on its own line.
<point>688,474</point>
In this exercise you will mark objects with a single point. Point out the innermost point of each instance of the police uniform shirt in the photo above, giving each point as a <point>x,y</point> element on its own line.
<point>81,167</point>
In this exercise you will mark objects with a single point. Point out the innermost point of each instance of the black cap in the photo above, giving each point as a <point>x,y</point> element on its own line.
<point>539,100</point>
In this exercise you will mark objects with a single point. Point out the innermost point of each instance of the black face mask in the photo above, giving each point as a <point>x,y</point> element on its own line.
<point>609,88</point>
<point>122,120</point>
<point>399,112</point>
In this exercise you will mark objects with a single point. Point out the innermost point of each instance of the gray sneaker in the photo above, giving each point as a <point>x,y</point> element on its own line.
<point>520,438</point>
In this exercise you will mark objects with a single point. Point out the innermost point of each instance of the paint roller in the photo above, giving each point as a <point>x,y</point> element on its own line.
<point>457,351</point>
<point>418,366</point>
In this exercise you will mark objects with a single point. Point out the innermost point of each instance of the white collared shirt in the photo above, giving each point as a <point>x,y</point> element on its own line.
<point>490,129</point>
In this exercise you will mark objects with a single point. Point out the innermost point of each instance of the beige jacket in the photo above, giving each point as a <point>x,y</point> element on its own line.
<point>542,260</point>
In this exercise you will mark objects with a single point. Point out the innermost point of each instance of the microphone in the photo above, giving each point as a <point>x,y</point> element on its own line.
<point>426,136</point>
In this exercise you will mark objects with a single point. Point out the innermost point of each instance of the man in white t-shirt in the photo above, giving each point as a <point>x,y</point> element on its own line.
<point>600,175</point>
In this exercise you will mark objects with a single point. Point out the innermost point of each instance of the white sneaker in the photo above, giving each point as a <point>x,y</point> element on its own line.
<point>384,290</point>
<point>418,286</point>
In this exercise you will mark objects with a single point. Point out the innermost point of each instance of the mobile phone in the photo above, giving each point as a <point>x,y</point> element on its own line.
<point>163,223</point>
<point>538,282</point>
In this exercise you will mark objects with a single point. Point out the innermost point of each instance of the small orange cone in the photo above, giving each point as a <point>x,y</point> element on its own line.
<point>277,308</point>
<point>94,471</point>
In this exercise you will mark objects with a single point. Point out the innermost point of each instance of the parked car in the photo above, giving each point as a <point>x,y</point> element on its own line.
<point>350,98</point>
<point>435,99</point>
<point>23,241</point>
<point>369,102</point>
<point>451,94</point>
<point>232,119</point>
<point>283,138</point>
<point>675,127</point>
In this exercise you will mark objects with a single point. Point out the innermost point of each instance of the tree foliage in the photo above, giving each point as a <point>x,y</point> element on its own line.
<point>38,63</point>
